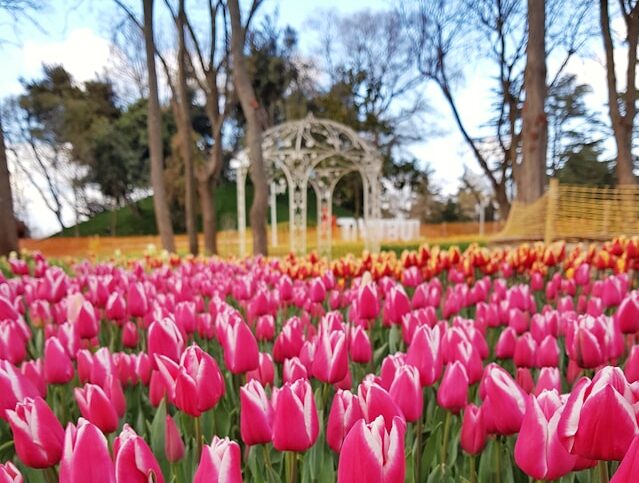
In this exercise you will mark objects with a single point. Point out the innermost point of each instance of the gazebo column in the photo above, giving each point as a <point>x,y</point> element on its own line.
<point>297,212</point>
<point>324,184</point>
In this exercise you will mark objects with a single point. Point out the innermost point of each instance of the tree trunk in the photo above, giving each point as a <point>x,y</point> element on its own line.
<point>501,196</point>
<point>250,108</point>
<point>532,173</point>
<point>622,122</point>
<point>207,206</point>
<point>9,232</point>
<point>154,126</point>
<point>185,131</point>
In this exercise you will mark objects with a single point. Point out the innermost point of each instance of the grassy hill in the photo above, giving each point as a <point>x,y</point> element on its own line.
<point>128,222</point>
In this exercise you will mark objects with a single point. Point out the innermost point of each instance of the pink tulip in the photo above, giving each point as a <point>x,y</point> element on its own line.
<point>629,468</point>
<point>265,327</point>
<point>406,391</point>
<point>293,369</point>
<point>376,401</point>
<point>524,378</point>
<point>256,414</point>
<point>164,338</point>
<point>396,305</point>
<point>265,372</point>
<point>628,313</point>
<point>289,341</point>
<point>599,421</point>
<point>360,349</point>
<point>130,335</point>
<point>85,457</point>
<point>87,322</point>
<point>116,307</point>
<point>345,411</point>
<point>425,354</point>
<point>58,368</point>
<point>548,352</point>
<point>241,353</point>
<point>330,362</point>
<point>631,368</point>
<point>525,351</point>
<point>538,450</point>
<point>373,453</point>
<point>96,407</point>
<point>185,316</point>
<point>136,300</point>
<point>367,302</point>
<point>504,401</point>
<point>14,388</point>
<point>34,372</point>
<point>473,431</point>
<point>196,385</point>
<point>453,390</point>
<point>134,460</point>
<point>10,474</point>
<point>549,379</point>
<point>173,444</point>
<point>37,434</point>
<point>220,462</point>
<point>295,421</point>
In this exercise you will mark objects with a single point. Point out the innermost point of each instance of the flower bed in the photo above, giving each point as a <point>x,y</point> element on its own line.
<point>433,365</point>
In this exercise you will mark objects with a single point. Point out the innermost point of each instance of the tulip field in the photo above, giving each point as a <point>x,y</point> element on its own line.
<point>500,365</point>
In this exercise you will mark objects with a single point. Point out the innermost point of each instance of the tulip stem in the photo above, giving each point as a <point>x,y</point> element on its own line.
<point>50,475</point>
<point>473,470</point>
<point>498,459</point>
<point>603,471</point>
<point>198,434</point>
<point>445,440</point>
<point>418,453</point>
<point>291,460</point>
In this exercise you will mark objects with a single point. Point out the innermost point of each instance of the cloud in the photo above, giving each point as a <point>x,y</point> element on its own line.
<point>83,53</point>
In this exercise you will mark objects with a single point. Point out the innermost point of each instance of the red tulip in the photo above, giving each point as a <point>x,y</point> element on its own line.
<point>345,411</point>
<point>473,431</point>
<point>164,338</point>
<point>14,387</point>
<point>406,391</point>
<point>453,390</point>
<point>295,422</point>
<point>58,368</point>
<point>599,421</point>
<point>504,401</point>
<point>220,462</point>
<point>37,434</point>
<point>96,407</point>
<point>85,457</point>
<point>256,414</point>
<point>373,453</point>
<point>538,451</point>
<point>134,460</point>
<point>10,474</point>
<point>330,363</point>
<point>173,444</point>
<point>629,467</point>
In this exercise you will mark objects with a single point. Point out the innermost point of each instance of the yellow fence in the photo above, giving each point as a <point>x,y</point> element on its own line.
<point>573,212</point>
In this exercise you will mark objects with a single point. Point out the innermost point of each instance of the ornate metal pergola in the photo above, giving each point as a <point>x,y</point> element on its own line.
<point>319,152</point>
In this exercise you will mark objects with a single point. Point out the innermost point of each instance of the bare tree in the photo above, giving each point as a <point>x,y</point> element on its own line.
<point>154,125</point>
<point>622,106</point>
<point>253,112</point>
<point>534,121</point>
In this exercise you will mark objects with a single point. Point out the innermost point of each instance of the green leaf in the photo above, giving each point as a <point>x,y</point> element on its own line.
<point>394,338</point>
<point>158,431</point>
<point>431,449</point>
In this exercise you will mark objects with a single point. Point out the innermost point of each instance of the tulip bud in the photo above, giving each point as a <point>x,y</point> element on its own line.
<point>295,421</point>
<point>406,391</point>
<point>367,302</point>
<point>376,401</point>
<point>10,474</point>
<point>136,299</point>
<point>241,353</point>
<point>256,414</point>
<point>383,461</point>
<point>220,461</point>
<point>628,313</point>
<point>14,388</point>
<point>504,401</point>
<point>37,434</point>
<point>425,354</point>
<point>330,363</point>
<point>360,346</point>
<point>164,338</point>
<point>134,460</point>
<point>265,327</point>
<point>130,335</point>
<point>345,411</point>
<point>173,444</point>
<point>453,390</point>
<point>473,431</point>
<point>58,368</point>
<point>96,407</point>
<point>629,467</point>
<point>85,457</point>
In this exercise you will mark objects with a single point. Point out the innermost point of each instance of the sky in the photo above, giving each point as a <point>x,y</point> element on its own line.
<point>76,33</point>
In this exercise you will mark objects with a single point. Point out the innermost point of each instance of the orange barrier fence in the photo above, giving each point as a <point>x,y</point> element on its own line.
<point>228,241</point>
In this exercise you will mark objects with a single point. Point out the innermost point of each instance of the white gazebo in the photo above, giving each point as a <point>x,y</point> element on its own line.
<point>319,152</point>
